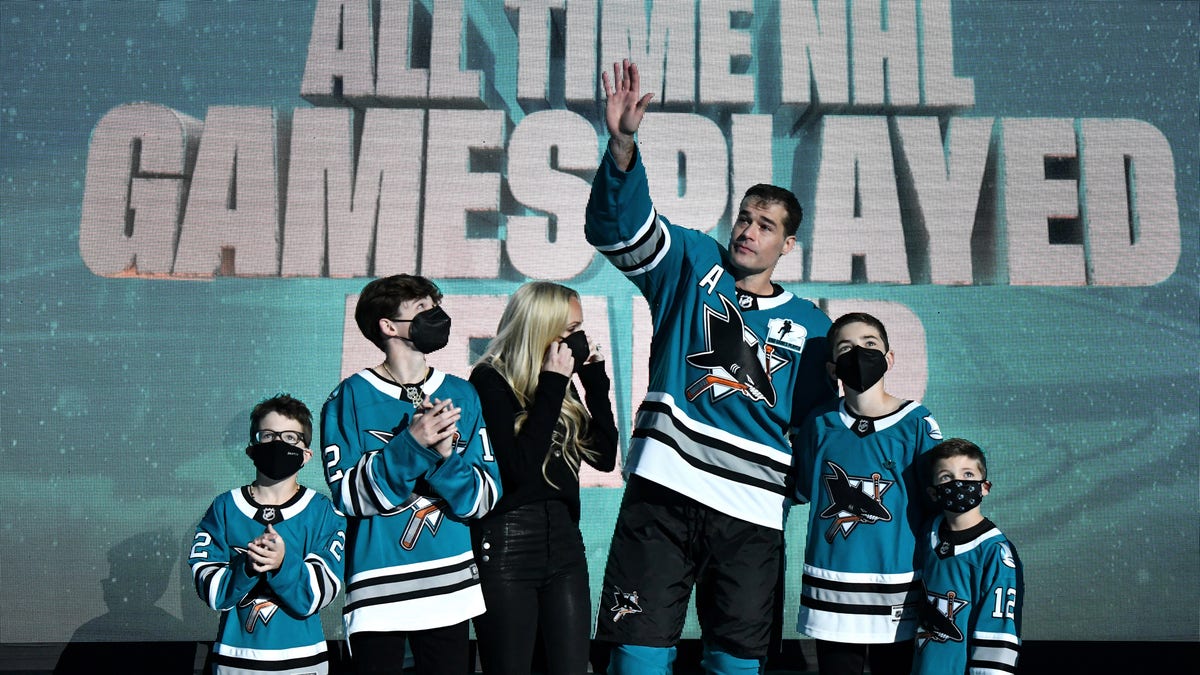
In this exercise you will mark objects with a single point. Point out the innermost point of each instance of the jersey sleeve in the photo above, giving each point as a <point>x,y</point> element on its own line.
<point>929,436</point>
<point>994,636</point>
<point>814,387</point>
<point>468,480</point>
<point>602,428</point>
<point>365,483</point>
<point>623,225</point>
<point>218,569</point>
<point>310,577</point>
<point>804,449</point>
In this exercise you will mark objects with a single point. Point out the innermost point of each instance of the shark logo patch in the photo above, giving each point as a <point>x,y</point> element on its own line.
<point>624,604</point>
<point>737,361</point>
<point>937,618</point>
<point>853,500</point>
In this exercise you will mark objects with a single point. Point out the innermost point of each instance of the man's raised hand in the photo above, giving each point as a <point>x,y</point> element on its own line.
<point>624,109</point>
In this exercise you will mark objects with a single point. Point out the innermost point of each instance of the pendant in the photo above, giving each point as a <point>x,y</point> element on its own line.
<point>414,394</point>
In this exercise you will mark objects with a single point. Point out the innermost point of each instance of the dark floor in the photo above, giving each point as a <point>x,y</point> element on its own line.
<point>796,658</point>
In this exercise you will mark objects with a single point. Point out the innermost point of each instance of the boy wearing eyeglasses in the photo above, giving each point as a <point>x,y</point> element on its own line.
<point>269,555</point>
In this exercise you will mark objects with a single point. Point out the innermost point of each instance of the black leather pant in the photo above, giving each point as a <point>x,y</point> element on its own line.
<point>534,575</point>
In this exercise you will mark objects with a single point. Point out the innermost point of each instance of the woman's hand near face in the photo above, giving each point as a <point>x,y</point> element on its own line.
<point>559,359</point>
<point>594,353</point>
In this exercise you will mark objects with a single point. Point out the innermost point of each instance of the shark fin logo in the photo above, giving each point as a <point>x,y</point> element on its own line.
<point>736,360</point>
<point>853,500</point>
<point>262,608</point>
<point>384,436</point>
<point>624,604</point>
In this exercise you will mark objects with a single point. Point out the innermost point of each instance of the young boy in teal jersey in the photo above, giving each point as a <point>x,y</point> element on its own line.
<point>408,460</point>
<point>269,555</point>
<point>857,466</point>
<point>973,584</point>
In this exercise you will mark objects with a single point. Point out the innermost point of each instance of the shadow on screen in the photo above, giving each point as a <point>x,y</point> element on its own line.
<point>138,571</point>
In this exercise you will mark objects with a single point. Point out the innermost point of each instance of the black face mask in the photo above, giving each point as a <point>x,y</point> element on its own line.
<point>860,368</point>
<point>276,460</point>
<point>578,343</point>
<point>430,330</point>
<point>959,496</point>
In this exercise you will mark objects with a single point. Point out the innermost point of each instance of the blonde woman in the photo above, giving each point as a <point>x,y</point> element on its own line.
<point>528,548</point>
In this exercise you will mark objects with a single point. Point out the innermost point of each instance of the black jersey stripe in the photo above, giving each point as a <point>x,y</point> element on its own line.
<point>630,268</point>
<point>714,443</point>
<point>284,665</point>
<point>628,260</point>
<point>992,665</point>
<point>365,482</point>
<point>350,480</point>
<point>206,577</point>
<point>362,491</point>
<point>324,579</point>
<point>842,608</point>
<point>411,576</point>
<point>719,471</point>
<point>640,241</point>
<point>409,595</point>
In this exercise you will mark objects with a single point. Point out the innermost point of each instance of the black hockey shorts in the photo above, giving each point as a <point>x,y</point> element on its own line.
<point>663,544</point>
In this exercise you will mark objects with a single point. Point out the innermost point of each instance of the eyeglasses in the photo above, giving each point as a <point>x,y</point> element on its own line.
<point>289,437</point>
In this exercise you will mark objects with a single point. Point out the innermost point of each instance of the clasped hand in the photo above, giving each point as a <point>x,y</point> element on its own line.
<point>266,551</point>
<point>436,424</point>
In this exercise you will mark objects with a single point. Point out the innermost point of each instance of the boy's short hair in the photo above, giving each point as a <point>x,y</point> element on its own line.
<point>773,194</point>
<point>956,447</point>
<point>381,299</point>
<point>855,317</point>
<point>286,405</point>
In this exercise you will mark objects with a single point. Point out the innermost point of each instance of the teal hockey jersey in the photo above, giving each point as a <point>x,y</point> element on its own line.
<point>974,590</point>
<point>730,373</point>
<point>409,564</point>
<point>865,486</point>
<point>269,622</point>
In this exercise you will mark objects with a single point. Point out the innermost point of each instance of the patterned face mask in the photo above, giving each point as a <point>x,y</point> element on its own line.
<point>959,496</point>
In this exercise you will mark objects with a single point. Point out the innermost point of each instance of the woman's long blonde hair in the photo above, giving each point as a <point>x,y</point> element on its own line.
<point>534,318</point>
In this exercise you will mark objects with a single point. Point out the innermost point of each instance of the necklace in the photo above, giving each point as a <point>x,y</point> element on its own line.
<point>254,493</point>
<point>411,391</point>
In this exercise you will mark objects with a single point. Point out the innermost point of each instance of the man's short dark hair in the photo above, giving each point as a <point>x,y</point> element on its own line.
<point>855,317</point>
<point>381,299</point>
<point>956,447</point>
<point>286,405</point>
<point>774,194</point>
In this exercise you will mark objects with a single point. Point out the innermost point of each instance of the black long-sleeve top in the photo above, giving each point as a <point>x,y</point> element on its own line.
<point>520,455</point>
